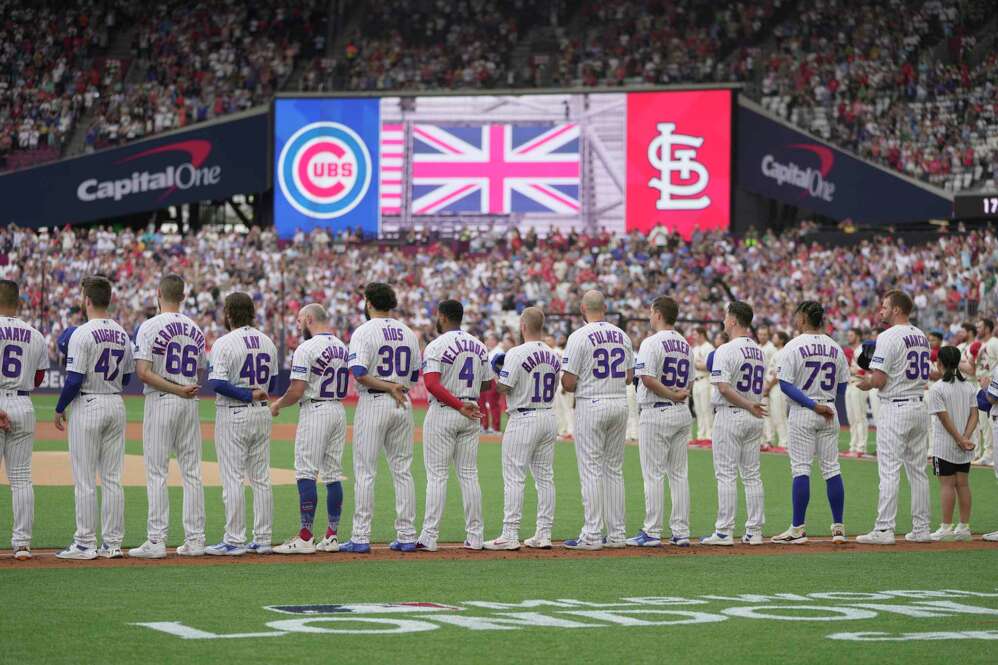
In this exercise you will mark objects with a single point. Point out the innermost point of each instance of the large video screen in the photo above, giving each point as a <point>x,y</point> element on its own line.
<point>620,161</point>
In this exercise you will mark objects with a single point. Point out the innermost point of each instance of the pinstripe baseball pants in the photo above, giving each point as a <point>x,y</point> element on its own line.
<point>447,436</point>
<point>600,427</point>
<point>778,415</point>
<point>902,441</point>
<point>171,424</point>
<point>856,403</point>
<point>97,446</point>
<point>242,442</point>
<point>705,412</point>
<point>381,423</point>
<point>15,453</point>
<point>737,434</point>
<point>662,442</point>
<point>319,441</point>
<point>528,444</point>
<point>812,436</point>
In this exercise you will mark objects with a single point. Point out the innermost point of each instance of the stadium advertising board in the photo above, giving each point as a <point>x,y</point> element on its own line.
<point>620,161</point>
<point>791,166</point>
<point>207,162</point>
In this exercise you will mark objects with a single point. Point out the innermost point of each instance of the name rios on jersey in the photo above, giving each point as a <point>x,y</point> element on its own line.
<point>176,329</point>
<point>12,334</point>
<point>540,358</point>
<point>598,337</point>
<point>459,346</point>
<point>328,355</point>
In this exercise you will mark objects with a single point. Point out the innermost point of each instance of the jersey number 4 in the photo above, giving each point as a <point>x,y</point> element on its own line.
<point>256,369</point>
<point>109,363</point>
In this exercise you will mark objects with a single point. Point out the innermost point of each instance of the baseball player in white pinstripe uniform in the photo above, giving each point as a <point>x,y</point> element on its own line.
<point>900,369</point>
<point>701,383</point>
<point>319,381</point>
<point>243,367</point>
<point>99,363</point>
<point>384,358</point>
<point>738,373</point>
<point>665,368</point>
<point>598,365</point>
<point>777,405</point>
<point>529,379</point>
<point>812,371</point>
<point>456,369</point>
<point>23,361</point>
<point>857,400</point>
<point>169,351</point>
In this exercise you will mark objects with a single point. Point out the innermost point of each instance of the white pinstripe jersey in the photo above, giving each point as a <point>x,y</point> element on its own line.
<point>902,353</point>
<point>245,357</point>
<point>463,364</point>
<point>321,362</point>
<point>101,351</point>
<point>742,364</point>
<point>174,344</point>
<point>22,353</point>
<point>993,386</point>
<point>530,370</point>
<point>667,356</point>
<point>599,354</point>
<point>815,364</point>
<point>388,350</point>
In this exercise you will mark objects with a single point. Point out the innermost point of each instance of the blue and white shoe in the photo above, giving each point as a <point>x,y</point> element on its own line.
<point>78,553</point>
<point>224,549</point>
<point>643,540</point>
<point>722,539</point>
<point>351,547</point>
<point>259,548</point>
<point>679,541</point>
<point>473,548</point>
<point>423,547</point>
<point>396,546</point>
<point>579,544</point>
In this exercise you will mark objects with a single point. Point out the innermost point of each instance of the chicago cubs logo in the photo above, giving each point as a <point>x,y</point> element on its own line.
<point>324,170</point>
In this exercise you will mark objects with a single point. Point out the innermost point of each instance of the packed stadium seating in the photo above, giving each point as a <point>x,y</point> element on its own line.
<point>497,273</point>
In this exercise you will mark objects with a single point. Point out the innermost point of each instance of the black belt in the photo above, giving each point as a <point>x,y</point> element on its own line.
<point>20,393</point>
<point>320,401</point>
<point>90,393</point>
<point>239,406</point>
<point>528,410</point>
<point>657,405</point>
<point>905,399</point>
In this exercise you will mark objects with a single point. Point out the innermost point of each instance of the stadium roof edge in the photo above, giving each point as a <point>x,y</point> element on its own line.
<point>498,92</point>
<point>757,108</point>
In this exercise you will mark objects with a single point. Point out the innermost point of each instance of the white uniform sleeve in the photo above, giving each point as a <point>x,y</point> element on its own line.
<point>143,342</point>
<point>884,355</point>
<point>488,374</point>
<point>510,373</point>
<point>572,362</point>
<point>41,355</point>
<point>787,366</point>
<point>128,362</point>
<point>993,386</point>
<point>723,367</point>
<point>843,364</point>
<point>360,351</point>
<point>629,349</point>
<point>432,357</point>
<point>79,354</point>
<point>301,364</point>
<point>935,401</point>
<point>219,363</point>
<point>649,360</point>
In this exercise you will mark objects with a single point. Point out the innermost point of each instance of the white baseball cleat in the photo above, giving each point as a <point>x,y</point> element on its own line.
<point>719,539</point>
<point>22,552</point>
<point>795,535</point>
<point>191,549</point>
<point>579,544</point>
<point>78,553</point>
<point>943,534</point>
<point>538,543</point>
<point>148,550</point>
<point>918,537</point>
<point>225,549</point>
<point>991,537</point>
<point>468,545</point>
<point>752,539</point>
<point>259,548</point>
<point>328,544</point>
<point>876,537</point>
<point>838,534</point>
<point>110,552</point>
<point>961,533</point>
<point>296,545</point>
<point>614,544</point>
<point>501,544</point>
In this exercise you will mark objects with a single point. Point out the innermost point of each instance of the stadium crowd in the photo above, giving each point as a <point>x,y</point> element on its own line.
<point>497,273</point>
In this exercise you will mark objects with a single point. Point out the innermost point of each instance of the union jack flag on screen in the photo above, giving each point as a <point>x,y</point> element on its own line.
<point>491,168</point>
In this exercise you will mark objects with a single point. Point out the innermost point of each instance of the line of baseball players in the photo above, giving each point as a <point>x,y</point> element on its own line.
<point>385,360</point>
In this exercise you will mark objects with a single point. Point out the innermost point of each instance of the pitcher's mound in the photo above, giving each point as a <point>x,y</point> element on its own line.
<point>53,468</point>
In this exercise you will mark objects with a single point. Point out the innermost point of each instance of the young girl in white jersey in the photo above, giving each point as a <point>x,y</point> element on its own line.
<point>953,403</point>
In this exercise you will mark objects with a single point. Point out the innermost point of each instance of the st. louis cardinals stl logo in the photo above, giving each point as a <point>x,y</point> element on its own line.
<point>324,170</point>
<point>667,159</point>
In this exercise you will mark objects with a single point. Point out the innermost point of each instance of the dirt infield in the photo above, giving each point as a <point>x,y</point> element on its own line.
<point>455,552</point>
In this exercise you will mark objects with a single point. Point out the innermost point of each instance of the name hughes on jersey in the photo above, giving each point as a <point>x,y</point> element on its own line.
<point>12,334</point>
<point>176,329</point>
<point>460,346</point>
<point>541,358</point>
<point>598,337</point>
<point>109,336</point>
<point>328,355</point>
<point>810,350</point>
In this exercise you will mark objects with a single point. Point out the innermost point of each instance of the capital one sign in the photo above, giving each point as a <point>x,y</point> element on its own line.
<point>679,160</point>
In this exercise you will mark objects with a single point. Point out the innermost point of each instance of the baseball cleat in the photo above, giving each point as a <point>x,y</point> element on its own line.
<point>328,544</point>
<point>351,547</point>
<point>396,546</point>
<point>716,538</point>
<point>502,544</point>
<point>961,533</point>
<point>991,537</point>
<point>296,545</point>
<point>148,550</point>
<point>22,552</point>
<point>614,544</point>
<point>752,539</point>
<point>536,543</point>
<point>679,541</point>
<point>943,534</point>
<point>795,535</point>
<point>579,544</point>
<point>259,548</point>
<point>876,537</point>
<point>191,549</point>
<point>421,547</point>
<point>78,552</point>
<point>468,546</point>
<point>918,537</point>
<point>225,549</point>
<point>110,552</point>
<point>838,534</point>
<point>643,540</point>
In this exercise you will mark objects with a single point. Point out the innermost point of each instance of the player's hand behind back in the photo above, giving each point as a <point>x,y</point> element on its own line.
<point>260,395</point>
<point>399,394</point>
<point>758,410</point>
<point>471,411</point>
<point>188,392</point>
<point>4,421</point>
<point>825,411</point>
